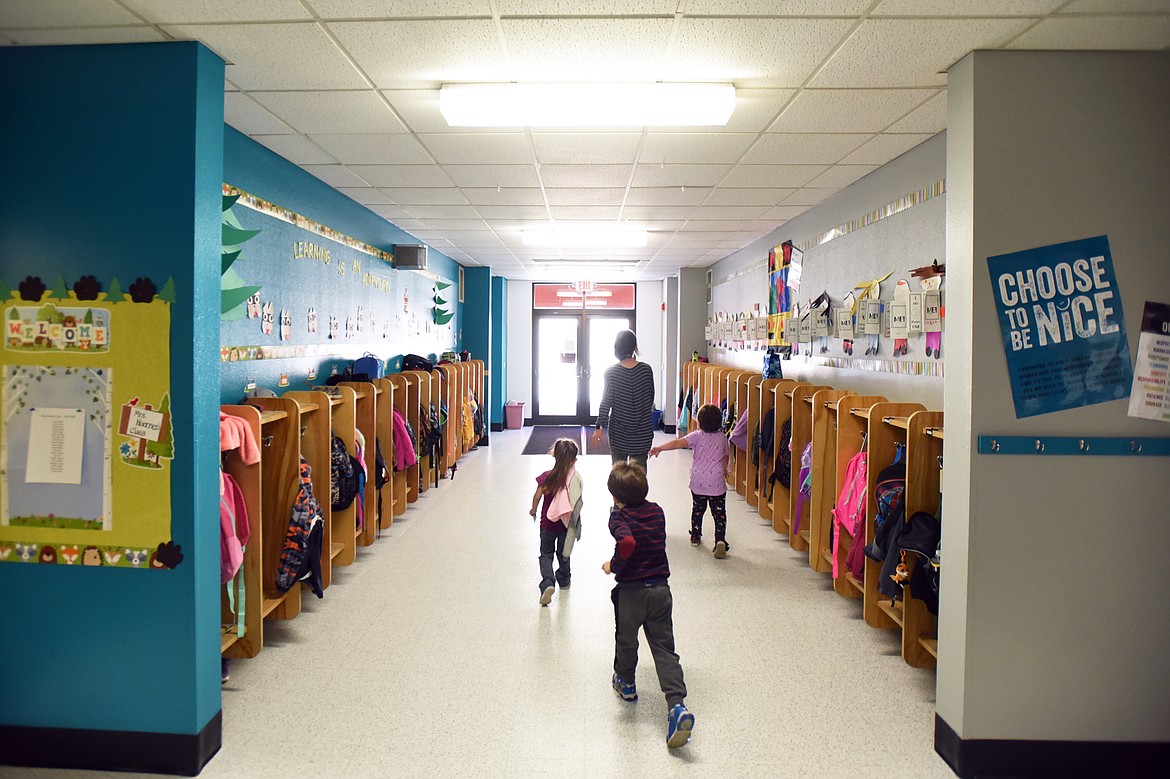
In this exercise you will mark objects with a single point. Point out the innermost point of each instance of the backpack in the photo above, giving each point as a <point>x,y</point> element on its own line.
<point>849,513</point>
<point>343,469</point>
<point>381,478</point>
<point>413,362</point>
<point>782,471</point>
<point>772,368</point>
<point>768,433</point>
<point>756,444</point>
<point>368,364</point>
<point>918,537</point>
<point>300,558</point>
<point>889,496</point>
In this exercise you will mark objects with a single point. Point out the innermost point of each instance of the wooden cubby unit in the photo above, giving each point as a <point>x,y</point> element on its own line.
<point>799,535</point>
<point>852,433</point>
<point>764,492</point>
<point>314,432</point>
<point>384,435</point>
<point>823,405</point>
<point>248,476</point>
<point>752,400</point>
<point>365,422</point>
<point>780,500</point>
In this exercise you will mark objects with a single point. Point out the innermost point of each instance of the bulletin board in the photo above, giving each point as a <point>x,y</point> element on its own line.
<point>85,457</point>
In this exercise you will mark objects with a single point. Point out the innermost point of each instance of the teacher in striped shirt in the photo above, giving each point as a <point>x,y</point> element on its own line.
<point>627,404</point>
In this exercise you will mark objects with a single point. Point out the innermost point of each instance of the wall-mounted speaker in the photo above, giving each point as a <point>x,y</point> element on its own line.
<point>407,257</point>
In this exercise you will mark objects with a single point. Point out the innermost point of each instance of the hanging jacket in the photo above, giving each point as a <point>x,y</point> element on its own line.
<point>404,454</point>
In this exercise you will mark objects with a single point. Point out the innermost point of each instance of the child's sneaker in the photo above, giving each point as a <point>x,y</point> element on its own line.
<point>627,692</point>
<point>696,540</point>
<point>546,596</point>
<point>721,548</point>
<point>679,725</point>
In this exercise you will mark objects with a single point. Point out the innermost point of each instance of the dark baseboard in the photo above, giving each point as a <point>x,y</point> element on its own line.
<point>484,440</point>
<point>111,750</point>
<point>497,427</point>
<point>986,758</point>
<point>670,429</point>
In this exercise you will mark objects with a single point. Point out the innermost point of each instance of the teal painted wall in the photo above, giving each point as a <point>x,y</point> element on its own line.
<point>479,336</point>
<point>268,261</point>
<point>112,158</point>
<point>499,361</point>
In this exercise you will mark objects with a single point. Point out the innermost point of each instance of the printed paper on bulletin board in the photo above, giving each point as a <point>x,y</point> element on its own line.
<point>77,486</point>
<point>1063,326</point>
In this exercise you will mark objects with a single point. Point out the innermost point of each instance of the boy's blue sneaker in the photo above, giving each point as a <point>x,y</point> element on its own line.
<point>679,725</point>
<point>627,692</point>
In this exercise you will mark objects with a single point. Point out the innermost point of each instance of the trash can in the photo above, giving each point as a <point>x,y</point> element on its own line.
<point>514,415</point>
<point>657,419</point>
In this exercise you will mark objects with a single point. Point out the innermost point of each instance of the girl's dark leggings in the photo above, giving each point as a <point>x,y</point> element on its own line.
<point>718,511</point>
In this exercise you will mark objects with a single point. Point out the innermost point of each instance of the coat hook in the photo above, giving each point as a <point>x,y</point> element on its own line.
<point>1084,445</point>
<point>994,445</point>
<point>1039,445</point>
<point>268,440</point>
<point>304,429</point>
<point>1135,447</point>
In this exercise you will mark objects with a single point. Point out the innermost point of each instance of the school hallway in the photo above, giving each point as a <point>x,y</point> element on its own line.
<point>431,657</point>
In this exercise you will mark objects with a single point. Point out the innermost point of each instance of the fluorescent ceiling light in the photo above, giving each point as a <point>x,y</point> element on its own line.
<point>586,105</point>
<point>584,238</point>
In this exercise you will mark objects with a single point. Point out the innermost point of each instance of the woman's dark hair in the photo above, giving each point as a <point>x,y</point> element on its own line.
<point>627,484</point>
<point>564,451</point>
<point>710,418</point>
<point>625,345</point>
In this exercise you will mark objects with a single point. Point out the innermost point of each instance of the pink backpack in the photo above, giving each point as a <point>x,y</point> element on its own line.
<point>849,513</point>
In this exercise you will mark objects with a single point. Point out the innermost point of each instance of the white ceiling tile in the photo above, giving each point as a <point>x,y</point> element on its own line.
<point>504,197</point>
<point>1136,32</point>
<point>582,196</point>
<point>884,148</point>
<point>504,176</point>
<point>399,216</point>
<point>273,56</point>
<point>784,213</point>
<point>447,225</point>
<point>755,109</point>
<point>79,13</point>
<point>213,11</point>
<point>666,196</point>
<point>405,54</point>
<point>866,58</point>
<point>808,196</point>
<point>793,148</point>
<point>586,7</point>
<point>424,196</point>
<point>484,238</point>
<point>85,36</point>
<point>369,149</point>
<point>715,225</point>
<point>660,225</point>
<point>380,9</point>
<point>725,196</point>
<point>787,176</point>
<point>601,213</point>
<point>694,147</point>
<point>342,112</point>
<point>848,110</point>
<point>335,175</point>
<point>657,213</point>
<point>772,7</point>
<point>585,148</point>
<point>751,52</point>
<point>842,175</point>
<point>478,148</point>
<point>679,175</point>
<point>930,117</point>
<point>983,8</point>
<point>367,196</point>
<point>419,109</point>
<point>251,118</point>
<point>698,240</point>
<point>730,212</point>
<point>585,175</point>
<point>297,149</point>
<point>402,175</point>
<point>626,49</point>
<point>509,215</point>
<point>1115,6</point>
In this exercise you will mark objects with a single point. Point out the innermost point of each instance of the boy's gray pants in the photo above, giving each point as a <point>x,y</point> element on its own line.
<point>647,605</point>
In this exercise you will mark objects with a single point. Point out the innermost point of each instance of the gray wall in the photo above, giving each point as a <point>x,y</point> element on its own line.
<point>908,239</point>
<point>1053,624</point>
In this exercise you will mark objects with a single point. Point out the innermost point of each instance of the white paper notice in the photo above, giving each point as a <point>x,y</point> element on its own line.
<point>1150,396</point>
<point>56,442</point>
<point>795,269</point>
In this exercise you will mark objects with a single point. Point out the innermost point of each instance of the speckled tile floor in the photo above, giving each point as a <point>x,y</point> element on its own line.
<point>430,656</point>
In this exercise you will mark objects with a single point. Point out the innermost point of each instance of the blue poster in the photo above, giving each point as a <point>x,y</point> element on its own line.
<point>1063,326</point>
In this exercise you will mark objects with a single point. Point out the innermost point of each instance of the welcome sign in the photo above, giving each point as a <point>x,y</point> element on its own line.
<point>1063,326</point>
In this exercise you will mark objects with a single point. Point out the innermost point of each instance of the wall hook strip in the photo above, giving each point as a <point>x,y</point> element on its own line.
<point>1071,445</point>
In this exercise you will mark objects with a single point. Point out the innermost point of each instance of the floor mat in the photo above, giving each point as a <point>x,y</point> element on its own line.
<point>591,448</point>
<point>541,439</point>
